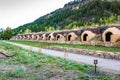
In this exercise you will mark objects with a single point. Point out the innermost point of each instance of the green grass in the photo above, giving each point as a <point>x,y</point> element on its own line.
<point>33,66</point>
<point>90,47</point>
<point>8,49</point>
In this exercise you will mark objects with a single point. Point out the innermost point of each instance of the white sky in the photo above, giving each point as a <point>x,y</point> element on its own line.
<point>14,13</point>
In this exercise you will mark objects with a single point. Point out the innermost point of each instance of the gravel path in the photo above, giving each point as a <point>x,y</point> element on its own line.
<point>107,65</point>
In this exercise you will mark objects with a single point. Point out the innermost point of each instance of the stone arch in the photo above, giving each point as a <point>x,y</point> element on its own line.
<point>60,37</point>
<point>87,36</point>
<point>18,37</point>
<point>49,37</point>
<point>71,36</point>
<point>34,36</point>
<point>43,37</point>
<point>25,37</point>
<point>28,37</point>
<point>38,36</point>
<point>108,36</point>
<point>21,37</point>
<point>111,34</point>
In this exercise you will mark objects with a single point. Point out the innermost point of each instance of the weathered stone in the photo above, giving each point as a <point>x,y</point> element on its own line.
<point>102,54</point>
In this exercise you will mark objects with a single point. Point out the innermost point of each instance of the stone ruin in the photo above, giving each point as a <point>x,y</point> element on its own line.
<point>105,36</point>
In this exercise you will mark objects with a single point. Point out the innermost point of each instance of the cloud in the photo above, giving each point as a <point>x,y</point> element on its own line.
<point>14,13</point>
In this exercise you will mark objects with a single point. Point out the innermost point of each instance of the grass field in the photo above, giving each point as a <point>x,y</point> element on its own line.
<point>27,65</point>
<point>42,45</point>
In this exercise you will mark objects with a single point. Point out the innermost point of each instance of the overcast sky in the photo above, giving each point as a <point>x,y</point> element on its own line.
<point>14,13</point>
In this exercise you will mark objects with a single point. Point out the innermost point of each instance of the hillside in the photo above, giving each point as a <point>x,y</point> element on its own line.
<point>76,14</point>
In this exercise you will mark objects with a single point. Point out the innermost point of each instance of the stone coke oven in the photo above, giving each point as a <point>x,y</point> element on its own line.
<point>73,35</point>
<point>45,36</point>
<point>105,36</point>
<point>20,36</point>
<point>51,36</point>
<point>25,36</point>
<point>89,33</point>
<point>34,36</point>
<point>56,36</point>
<point>61,36</point>
<point>111,34</point>
<point>29,36</point>
<point>39,35</point>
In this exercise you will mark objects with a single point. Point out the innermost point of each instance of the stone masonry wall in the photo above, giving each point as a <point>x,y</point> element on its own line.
<point>93,43</point>
<point>102,54</point>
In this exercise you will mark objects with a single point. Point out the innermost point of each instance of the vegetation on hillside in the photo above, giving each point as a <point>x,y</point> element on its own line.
<point>95,12</point>
<point>27,65</point>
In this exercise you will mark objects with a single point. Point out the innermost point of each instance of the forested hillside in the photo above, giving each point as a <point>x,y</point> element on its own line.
<point>75,14</point>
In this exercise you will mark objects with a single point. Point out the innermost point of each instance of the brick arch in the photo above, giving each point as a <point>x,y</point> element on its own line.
<point>87,36</point>
<point>43,37</point>
<point>51,36</point>
<point>111,34</point>
<point>18,37</point>
<point>30,36</point>
<point>21,37</point>
<point>108,36</point>
<point>60,37</point>
<point>34,36</point>
<point>71,36</point>
<point>24,37</point>
<point>38,36</point>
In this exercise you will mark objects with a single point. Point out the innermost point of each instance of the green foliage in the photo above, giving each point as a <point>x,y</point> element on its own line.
<point>20,72</point>
<point>85,76</point>
<point>95,12</point>
<point>7,48</point>
<point>48,66</point>
<point>72,25</point>
<point>27,31</point>
<point>6,34</point>
<point>50,28</point>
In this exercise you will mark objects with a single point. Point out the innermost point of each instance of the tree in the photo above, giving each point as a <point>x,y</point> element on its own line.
<point>27,31</point>
<point>100,21</point>
<point>94,12</point>
<point>7,34</point>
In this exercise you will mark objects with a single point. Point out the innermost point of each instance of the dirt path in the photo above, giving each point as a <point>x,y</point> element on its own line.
<point>107,65</point>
